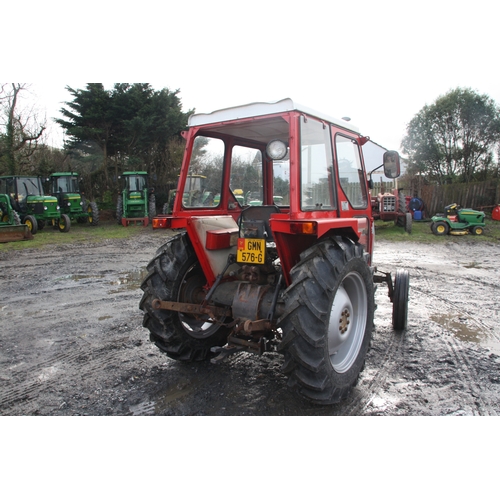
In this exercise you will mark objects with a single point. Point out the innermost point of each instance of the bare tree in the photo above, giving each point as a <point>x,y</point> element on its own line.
<point>21,126</point>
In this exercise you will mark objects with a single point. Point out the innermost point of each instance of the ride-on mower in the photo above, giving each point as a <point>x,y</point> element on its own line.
<point>458,221</point>
<point>296,277</point>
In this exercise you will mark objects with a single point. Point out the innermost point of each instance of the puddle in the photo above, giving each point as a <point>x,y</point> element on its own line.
<point>463,329</point>
<point>160,404</point>
<point>130,280</point>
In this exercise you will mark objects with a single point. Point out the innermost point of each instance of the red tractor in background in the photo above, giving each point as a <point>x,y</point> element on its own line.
<point>391,206</point>
<point>293,274</point>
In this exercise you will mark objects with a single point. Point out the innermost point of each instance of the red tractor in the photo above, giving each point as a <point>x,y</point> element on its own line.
<point>391,206</point>
<point>296,277</point>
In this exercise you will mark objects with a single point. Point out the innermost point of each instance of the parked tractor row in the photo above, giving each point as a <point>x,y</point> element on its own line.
<point>25,203</point>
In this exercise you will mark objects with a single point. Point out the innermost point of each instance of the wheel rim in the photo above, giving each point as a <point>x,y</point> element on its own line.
<point>191,291</point>
<point>440,228</point>
<point>347,325</point>
<point>29,224</point>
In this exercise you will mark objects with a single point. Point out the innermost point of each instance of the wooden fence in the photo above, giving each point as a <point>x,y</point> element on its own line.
<point>477,195</point>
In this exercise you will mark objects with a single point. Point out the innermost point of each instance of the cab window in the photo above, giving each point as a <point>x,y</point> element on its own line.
<point>351,175</point>
<point>316,166</point>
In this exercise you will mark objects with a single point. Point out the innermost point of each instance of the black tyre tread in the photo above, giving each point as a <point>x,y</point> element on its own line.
<point>163,280</point>
<point>435,225</point>
<point>305,320</point>
<point>119,209</point>
<point>95,213</point>
<point>400,300</point>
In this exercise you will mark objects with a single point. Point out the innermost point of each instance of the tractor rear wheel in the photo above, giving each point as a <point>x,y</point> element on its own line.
<point>408,222</point>
<point>328,320</point>
<point>175,274</point>
<point>93,213</point>
<point>440,228</point>
<point>119,209</point>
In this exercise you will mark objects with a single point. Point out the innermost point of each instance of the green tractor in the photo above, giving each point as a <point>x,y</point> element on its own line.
<point>65,187</point>
<point>35,209</point>
<point>136,203</point>
<point>458,221</point>
<point>11,228</point>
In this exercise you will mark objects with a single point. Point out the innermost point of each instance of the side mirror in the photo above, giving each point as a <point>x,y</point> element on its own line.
<point>392,167</point>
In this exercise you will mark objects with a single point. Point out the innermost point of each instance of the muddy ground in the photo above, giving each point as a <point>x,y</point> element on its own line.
<point>72,341</point>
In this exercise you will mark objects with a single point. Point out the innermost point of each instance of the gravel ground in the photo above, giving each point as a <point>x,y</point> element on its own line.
<point>72,341</point>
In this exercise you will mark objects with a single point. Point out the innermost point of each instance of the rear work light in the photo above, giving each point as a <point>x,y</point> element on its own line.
<point>304,227</point>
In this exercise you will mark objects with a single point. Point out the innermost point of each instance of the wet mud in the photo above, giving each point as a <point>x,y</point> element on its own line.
<point>72,341</point>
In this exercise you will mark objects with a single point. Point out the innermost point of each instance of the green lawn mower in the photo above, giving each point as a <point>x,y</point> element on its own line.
<point>458,221</point>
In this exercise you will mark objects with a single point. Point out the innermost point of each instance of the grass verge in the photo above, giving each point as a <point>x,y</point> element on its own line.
<point>79,233</point>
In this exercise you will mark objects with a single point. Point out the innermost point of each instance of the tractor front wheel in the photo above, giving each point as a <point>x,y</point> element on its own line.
<point>64,223</point>
<point>400,299</point>
<point>32,224</point>
<point>328,320</point>
<point>477,230</point>
<point>175,274</point>
<point>440,228</point>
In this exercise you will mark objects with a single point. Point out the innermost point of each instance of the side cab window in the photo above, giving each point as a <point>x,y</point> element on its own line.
<point>351,175</point>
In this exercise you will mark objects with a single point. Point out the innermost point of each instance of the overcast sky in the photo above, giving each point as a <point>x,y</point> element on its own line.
<point>378,62</point>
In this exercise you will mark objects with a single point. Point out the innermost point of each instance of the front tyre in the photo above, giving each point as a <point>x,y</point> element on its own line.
<point>328,320</point>
<point>400,299</point>
<point>64,223</point>
<point>32,223</point>
<point>175,274</point>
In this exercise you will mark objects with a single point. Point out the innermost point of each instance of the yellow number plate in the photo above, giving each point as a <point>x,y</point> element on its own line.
<point>251,251</point>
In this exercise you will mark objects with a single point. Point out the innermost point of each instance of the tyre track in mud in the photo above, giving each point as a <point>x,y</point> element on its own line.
<point>370,383</point>
<point>41,380</point>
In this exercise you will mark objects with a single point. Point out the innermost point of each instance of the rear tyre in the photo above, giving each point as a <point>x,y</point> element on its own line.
<point>175,274</point>
<point>408,222</point>
<point>152,206</point>
<point>119,209</point>
<point>328,320</point>
<point>440,228</point>
<point>93,213</point>
<point>400,299</point>
<point>16,220</point>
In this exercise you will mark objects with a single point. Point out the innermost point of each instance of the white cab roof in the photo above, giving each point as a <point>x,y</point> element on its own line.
<point>262,109</point>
